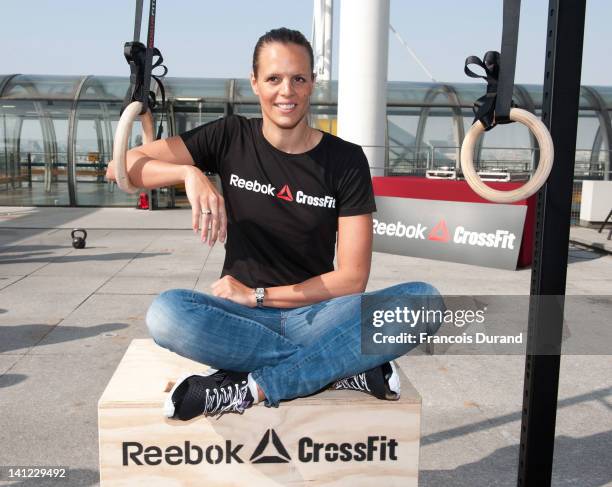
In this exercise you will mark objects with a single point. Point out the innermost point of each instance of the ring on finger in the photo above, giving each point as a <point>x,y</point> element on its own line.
<point>206,212</point>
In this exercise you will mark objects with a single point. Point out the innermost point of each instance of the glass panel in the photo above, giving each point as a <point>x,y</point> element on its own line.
<point>38,86</point>
<point>179,89</point>
<point>248,111</point>
<point>215,89</point>
<point>439,129</point>
<point>243,93</point>
<point>188,115</point>
<point>588,101</point>
<point>91,156</point>
<point>404,157</point>
<point>590,160</point>
<point>3,77</point>
<point>588,123</point>
<point>95,129</point>
<point>324,117</point>
<point>404,93</point>
<point>439,136</point>
<point>12,176</point>
<point>535,92</point>
<point>35,112</point>
<point>105,88</point>
<point>606,143</point>
<point>31,145</point>
<point>606,94</point>
<point>468,93</point>
<point>508,148</point>
<point>325,92</point>
<point>34,171</point>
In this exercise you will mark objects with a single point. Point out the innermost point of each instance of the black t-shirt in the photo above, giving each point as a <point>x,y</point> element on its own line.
<point>282,209</point>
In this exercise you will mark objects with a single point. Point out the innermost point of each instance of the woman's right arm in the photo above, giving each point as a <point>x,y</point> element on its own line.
<point>161,163</point>
<point>166,162</point>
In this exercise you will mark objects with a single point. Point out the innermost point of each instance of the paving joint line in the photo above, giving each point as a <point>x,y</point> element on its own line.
<point>53,327</point>
<point>36,270</point>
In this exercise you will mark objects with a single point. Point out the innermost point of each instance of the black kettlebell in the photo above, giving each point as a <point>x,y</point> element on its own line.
<point>78,242</point>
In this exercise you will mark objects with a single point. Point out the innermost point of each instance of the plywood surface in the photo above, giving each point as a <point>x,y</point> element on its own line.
<point>146,369</point>
<point>131,426</point>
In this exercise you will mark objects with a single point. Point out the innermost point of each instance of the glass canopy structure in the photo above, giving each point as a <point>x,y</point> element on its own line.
<point>56,132</point>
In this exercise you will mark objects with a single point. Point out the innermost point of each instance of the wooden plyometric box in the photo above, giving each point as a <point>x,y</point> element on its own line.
<point>332,438</point>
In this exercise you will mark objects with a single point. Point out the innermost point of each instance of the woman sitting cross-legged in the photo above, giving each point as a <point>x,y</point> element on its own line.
<point>281,322</point>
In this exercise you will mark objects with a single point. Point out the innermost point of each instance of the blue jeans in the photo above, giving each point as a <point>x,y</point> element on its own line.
<point>291,352</point>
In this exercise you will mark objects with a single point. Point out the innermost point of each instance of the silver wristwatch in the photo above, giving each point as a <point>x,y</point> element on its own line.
<point>260,292</point>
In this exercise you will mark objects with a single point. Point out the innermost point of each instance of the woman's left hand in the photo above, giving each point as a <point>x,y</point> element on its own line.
<point>230,288</point>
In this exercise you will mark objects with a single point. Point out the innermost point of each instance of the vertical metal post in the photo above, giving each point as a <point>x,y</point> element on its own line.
<point>153,193</point>
<point>71,161</point>
<point>549,270</point>
<point>29,169</point>
<point>5,145</point>
<point>11,169</point>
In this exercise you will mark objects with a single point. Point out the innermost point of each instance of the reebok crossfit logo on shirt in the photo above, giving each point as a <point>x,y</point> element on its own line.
<point>284,194</point>
<point>326,201</point>
<point>255,186</point>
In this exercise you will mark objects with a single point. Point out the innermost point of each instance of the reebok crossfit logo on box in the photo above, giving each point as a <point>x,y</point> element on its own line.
<point>398,229</point>
<point>270,449</point>
<point>272,446</point>
<point>470,233</point>
<point>500,239</point>
<point>284,194</point>
<point>439,232</point>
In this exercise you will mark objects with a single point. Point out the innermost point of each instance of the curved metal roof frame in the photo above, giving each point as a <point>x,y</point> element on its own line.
<point>5,83</point>
<point>454,105</point>
<point>523,91</point>
<point>31,84</point>
<point>604,120</point>
<point>72,125</point>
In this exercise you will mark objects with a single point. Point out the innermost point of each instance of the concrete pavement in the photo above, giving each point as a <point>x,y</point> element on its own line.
<point>67,316</point>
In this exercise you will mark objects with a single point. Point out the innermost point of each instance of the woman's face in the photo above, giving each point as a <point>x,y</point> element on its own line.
<point>283,83</point>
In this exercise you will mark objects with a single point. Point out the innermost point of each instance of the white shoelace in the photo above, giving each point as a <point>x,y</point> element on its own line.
<point>226,399</point>
<point>357,383</point>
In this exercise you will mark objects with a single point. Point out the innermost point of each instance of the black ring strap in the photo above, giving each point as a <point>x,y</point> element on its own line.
<point>142,61</point>
<point>494,107</point>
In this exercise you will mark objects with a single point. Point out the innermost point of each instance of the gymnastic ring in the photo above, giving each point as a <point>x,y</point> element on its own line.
<point>122,136</point>
<point>547,155</point>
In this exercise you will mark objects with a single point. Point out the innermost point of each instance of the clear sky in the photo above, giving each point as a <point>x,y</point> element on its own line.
<point>206,38</point>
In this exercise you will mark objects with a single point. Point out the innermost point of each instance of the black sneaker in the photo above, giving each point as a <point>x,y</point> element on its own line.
<point>382,382</point>
<point>211,394</point>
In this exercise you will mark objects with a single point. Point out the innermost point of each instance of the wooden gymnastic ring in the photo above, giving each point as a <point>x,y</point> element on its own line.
<point>122,136</point>
<point>547,155</point>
